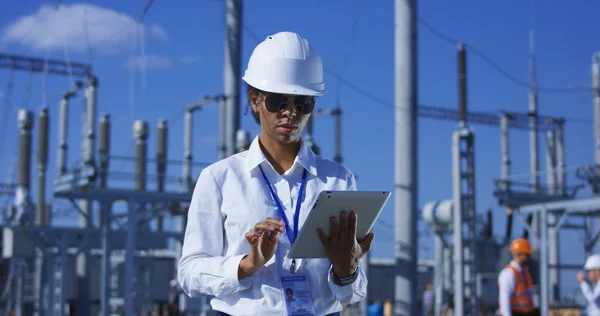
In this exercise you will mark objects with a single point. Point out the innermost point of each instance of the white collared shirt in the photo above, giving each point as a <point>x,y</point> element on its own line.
<point>229,198</point>
<point>592,296</point>
<point>506,286</point>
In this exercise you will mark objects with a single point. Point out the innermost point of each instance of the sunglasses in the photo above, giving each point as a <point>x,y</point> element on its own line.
<point>275,102</point>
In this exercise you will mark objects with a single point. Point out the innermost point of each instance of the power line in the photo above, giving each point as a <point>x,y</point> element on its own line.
<point>354,33</point>
<point>497,67</point>
<point>137,22</point>
<point>87,33</point>
<point>339,77</point>
<point>143,57</point>
<point>67,59</point>
<point>432,111</point>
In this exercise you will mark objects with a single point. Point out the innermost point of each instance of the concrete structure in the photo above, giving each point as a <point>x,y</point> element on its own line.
<point>405,157</point>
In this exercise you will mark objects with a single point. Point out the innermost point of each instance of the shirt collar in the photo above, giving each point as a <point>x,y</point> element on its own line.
<point>306,157</point>
<point>516,265</point>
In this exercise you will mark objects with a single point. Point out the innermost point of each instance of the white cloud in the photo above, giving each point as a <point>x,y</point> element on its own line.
<point>51,28</point>
<point>158,32</point>
<point>190,59</point>
<point>150,62</point>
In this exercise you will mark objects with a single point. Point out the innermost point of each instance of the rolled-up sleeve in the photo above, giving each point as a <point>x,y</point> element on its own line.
<point>357,290</point>
<point>351,293</point>
<point>202,269</point>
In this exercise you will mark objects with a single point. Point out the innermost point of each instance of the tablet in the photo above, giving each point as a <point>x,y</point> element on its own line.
<point>367,205</point>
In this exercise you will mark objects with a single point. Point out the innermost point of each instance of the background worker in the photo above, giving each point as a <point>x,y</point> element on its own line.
<point>428,300</point>
<point>387,307</point>
<point>173,300</point>
<point>515,282</point>
<point>591,293</point>
<point>375,308</point>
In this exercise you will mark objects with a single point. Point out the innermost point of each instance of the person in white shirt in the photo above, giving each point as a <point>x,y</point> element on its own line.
<point>246,209</point>
<point>515,284</point>
<point>591,294</point>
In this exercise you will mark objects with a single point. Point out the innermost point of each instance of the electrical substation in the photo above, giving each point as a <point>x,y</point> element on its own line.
<point>122,258</point>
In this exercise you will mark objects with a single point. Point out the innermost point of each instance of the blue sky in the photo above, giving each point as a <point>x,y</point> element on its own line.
<point>183,46</point>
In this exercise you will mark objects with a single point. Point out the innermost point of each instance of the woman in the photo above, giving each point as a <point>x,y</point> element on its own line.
<point>247,209</point>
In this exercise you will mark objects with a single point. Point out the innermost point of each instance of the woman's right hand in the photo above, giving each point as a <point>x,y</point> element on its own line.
<point>262,246</point>
<point>580,277</point>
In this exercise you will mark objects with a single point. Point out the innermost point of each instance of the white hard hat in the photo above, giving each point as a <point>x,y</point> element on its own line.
<point>286,63</point>
<point>592,263</point>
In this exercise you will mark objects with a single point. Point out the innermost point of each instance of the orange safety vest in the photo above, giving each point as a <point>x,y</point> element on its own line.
<point>521,300</point>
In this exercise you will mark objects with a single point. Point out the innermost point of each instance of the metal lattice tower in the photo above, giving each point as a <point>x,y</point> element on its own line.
<point>463,167</point>
<point>463,196</point>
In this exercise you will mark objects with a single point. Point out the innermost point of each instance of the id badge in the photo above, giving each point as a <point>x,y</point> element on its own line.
<point>296,295</point>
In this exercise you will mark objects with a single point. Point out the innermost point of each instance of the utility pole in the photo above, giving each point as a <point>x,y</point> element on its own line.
<point>105,216</point>
<point>463,196</point>
<point>534,161</point>
<point>505,149</point>
<point>242,141</point>
<point>233,43</point>
<point>222,130</point>
<point>161,163</point>
<point>553,189</point>
<point>405,192</point>
<point>337,114</point>
<point>310,140</point>
<point>596,96</point>
<point>188,182</point>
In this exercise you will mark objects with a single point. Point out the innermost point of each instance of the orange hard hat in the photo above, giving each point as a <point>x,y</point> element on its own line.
<point>521,246</point>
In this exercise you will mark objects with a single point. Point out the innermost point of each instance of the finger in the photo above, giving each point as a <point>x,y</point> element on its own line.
<point>334,234</point>
<point>324,239</point>
<point>344,224</point>
<point>264,227</point>
<point>279,224</point>
<point>368,238</point>
<point>273,235</point>
<point>365,243</point>
<point>274,221</point>
<point>352,225</point>
<point>253,238</point>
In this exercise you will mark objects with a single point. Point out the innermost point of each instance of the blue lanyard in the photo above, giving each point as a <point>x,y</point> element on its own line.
<point>288,231</point>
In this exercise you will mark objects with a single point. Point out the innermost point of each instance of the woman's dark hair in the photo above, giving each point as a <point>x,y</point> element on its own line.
<point>252,93</point>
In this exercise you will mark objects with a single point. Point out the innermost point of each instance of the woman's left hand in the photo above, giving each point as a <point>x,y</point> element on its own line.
<point>343,249</point>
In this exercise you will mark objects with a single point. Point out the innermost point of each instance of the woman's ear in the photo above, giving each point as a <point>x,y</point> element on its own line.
<point>253,99</point>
